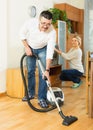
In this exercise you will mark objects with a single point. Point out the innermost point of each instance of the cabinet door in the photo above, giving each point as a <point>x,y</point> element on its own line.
<point>54,75</point>
<point>14,83</point>
<point>62,40</point>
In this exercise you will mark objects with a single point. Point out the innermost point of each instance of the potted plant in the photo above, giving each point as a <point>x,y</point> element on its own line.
<point>60,15</point>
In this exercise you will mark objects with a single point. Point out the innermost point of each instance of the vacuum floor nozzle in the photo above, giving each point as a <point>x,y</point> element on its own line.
<point>69,120</point>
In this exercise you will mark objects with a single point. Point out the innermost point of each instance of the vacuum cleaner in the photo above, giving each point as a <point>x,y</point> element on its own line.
<point>55,97</point>
<point>59,95</point>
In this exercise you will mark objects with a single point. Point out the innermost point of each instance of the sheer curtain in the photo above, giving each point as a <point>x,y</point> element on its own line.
<point>88,26</point>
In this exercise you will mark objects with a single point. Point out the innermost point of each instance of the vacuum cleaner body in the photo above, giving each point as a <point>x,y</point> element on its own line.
<point>59,96</point>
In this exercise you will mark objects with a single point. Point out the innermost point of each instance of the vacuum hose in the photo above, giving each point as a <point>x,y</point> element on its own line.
<point>26,90</point>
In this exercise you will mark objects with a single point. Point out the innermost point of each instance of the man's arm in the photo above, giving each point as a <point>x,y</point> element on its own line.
<point>47,70</point>
<point>48,63</point>
<point>27,48</point>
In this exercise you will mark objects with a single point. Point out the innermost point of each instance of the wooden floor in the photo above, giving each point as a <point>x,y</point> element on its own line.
<point>17,115</point>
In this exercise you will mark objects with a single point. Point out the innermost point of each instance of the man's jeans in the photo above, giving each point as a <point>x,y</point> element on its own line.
<point>71,75</point>
<point>31,66</point>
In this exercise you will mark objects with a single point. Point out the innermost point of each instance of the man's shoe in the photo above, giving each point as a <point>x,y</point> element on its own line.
<point>25,98</point>
<point>76,85</point>
<point>43,104</point>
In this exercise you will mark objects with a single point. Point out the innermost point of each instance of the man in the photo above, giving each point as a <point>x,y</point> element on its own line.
<point>74,57</point>
<point>38,37</point>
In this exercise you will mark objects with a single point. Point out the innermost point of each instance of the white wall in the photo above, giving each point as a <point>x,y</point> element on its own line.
<point>3,44</point>
<point>76,3</point>
<point>13,13</point>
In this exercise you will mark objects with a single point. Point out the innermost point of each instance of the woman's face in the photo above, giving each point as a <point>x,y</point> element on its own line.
<point>75,42</point>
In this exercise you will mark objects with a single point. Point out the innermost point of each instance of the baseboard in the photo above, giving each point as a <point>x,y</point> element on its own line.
<point>2,94</point>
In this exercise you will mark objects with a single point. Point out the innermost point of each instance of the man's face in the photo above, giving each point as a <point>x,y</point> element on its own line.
<point>44,24</point>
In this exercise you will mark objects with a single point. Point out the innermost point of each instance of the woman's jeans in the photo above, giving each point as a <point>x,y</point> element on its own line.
<point>71,75</point>
<point>31,66</point>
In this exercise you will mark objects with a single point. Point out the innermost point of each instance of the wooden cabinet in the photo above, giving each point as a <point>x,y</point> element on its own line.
<point>54,75</point>
<point>89,85</point>
<point>14,82</point>
<point>55,71</point>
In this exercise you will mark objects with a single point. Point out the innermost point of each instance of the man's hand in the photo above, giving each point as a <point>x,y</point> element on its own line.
<point>27,48</point>
<point>28,51</point>
<point>46,74</point>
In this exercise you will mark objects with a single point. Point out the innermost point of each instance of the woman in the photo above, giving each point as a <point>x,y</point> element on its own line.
<point>74,57</point>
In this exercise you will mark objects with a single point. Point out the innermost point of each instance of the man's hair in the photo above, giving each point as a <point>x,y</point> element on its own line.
<point>46,14</point>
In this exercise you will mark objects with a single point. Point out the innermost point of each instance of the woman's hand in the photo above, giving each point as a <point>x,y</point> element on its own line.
<point>58,51</point>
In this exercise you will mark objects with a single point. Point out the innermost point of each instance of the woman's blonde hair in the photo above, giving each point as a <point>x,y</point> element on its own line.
<point>78,39</point>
